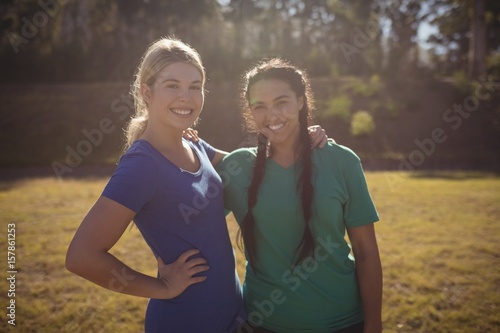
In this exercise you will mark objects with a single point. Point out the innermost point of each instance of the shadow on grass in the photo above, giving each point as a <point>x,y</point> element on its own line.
<point>9,177</point>
<point>455,175</point>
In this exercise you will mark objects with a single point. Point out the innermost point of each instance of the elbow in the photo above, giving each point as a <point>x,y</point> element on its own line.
<point>71,262</point>
<point>74,262</point>
<point>367,257</point>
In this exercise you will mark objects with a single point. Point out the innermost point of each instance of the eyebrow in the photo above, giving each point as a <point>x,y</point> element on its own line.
<point>274,100</point>
<point>178,81</point>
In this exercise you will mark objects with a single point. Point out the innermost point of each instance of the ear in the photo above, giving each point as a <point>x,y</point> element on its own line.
<point>300,101</point>
<point>146,93</point>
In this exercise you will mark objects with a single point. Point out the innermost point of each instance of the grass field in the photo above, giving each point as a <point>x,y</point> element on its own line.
<point>438,238</point>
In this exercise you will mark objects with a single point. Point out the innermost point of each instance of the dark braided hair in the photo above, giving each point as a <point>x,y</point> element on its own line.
<point>279,69</point>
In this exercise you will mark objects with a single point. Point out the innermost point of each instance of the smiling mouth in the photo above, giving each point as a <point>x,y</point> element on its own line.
<point>182,112</point>
<point>276,127</point>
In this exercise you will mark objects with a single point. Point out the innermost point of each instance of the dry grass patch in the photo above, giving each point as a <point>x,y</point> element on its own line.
<point>437,236</point>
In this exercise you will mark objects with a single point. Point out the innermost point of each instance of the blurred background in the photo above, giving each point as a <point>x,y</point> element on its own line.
<point>407,84</point>
<point>413,87</point>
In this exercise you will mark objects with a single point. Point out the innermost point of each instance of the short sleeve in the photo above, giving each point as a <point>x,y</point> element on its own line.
<point>236,167</point>
<point>359,209</point>
<point>133,184</point>
<point>208,149</point>
<point>235,171</point>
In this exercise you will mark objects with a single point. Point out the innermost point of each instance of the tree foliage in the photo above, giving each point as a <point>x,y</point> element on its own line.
<point>454,20</point>
<point>91,40</point>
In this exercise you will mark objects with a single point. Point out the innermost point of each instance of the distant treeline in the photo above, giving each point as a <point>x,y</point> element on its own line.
<point>435,125</point>
<point>90,40</point>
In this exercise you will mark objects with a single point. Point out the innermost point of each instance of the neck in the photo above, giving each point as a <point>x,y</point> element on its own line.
<point>163,139</point>
<point>287,148</point>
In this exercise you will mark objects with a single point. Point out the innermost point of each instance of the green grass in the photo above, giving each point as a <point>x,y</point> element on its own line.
<point>437,237</point>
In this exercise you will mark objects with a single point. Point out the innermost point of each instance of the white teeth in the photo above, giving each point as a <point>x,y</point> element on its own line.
<point>183,112</point>
<point>276,127</point>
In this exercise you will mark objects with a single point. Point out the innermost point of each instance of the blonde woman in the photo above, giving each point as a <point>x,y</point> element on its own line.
<point>168,187</point>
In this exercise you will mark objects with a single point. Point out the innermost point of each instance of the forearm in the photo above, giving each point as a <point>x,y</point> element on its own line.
<point>107,271</point>
<point>219,155</point>
<point>369,272</point>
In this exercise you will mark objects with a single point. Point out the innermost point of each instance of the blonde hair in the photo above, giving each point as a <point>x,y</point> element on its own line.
<point>161,53</point>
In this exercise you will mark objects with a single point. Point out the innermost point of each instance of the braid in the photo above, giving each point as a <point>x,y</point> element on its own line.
<point>297,79</point>
<point>306,245</point>
<point>247,231</point>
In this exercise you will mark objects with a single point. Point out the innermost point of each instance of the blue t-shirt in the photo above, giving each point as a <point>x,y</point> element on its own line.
<point>177,210</point>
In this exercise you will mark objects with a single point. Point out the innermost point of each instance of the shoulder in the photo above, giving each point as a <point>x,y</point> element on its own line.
<point>135,180</point>
<point>140,149</point>
<point>202,146</point>
<point>337,154</point>
<point>242,158</point>
<point>243,155</point>
<point>140,156</point>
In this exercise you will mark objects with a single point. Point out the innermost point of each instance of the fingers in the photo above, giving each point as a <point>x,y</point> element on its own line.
<point>191,134</point>
<point>323,141</point>
<point>183,259</point>
<point>194,266</point>
<point>198,279</point>
<point>195,262</point>
<point>198,269</point>
<point>180,274</point>
<point>195,136</point>
<point>318,137</point>
<point>313,128</point>
<point>186,255</point>
<point>189,263</point>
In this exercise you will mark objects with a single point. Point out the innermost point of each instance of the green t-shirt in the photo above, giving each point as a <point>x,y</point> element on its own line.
<point>321,293</point>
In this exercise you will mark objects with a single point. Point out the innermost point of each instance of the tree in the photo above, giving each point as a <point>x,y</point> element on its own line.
<point>404,18</point>
<point>477,44</point>
<point>468,32</point>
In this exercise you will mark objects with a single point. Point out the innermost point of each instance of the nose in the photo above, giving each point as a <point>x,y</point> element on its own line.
<point>184,94</point>
<point>273,113</point>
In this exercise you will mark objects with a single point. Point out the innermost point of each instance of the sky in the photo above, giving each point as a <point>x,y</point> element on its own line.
<point>424,31</point>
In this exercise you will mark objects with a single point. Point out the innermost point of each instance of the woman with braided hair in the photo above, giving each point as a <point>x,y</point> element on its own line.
<point>294,205</point>
<point>169,188</point>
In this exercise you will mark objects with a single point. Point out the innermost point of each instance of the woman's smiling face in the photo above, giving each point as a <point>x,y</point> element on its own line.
<point>275,109</point>
<point>177,97</point>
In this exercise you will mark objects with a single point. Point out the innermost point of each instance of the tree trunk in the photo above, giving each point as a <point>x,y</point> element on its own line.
<point>477,45</point>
